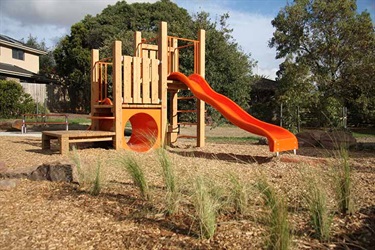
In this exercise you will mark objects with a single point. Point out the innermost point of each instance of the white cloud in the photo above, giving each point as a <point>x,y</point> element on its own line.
<point>47,19</point>
<point>253,32</point>
<point>52,19</point>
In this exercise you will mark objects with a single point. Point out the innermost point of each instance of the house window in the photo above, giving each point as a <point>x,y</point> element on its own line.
<point>18,54</point>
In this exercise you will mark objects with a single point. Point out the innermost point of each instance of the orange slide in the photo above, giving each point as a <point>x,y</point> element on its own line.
<point>279,139</point>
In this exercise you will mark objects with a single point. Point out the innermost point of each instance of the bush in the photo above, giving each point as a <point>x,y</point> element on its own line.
<point>13,100</point>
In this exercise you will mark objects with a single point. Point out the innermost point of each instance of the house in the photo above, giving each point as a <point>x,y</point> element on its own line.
<point>20,63</point>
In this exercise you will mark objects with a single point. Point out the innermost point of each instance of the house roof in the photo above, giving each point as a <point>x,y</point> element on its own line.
<point>14,70</point>
<point>13,43</point>
<point>18,72</point>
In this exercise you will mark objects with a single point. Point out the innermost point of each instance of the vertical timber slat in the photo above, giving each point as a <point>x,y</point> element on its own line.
<point>146,81</point>
<point>136,80</point>
<point>154,81</point>
<point>127,79</point>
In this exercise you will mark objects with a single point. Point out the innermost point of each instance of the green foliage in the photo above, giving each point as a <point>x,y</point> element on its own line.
<point>228,68</point>
<point>13,100</point>
<point>46,62</point>
<point>334,49</point>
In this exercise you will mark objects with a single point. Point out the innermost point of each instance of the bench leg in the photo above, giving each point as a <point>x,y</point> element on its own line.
<point>46,142</point>
<point>64,145</point>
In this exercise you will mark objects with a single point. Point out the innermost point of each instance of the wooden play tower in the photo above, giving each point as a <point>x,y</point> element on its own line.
<point>139,91</point>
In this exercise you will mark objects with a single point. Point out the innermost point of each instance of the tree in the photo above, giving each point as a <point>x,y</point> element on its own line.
<point>46,62</point>
<point>228,68</point>
<point>337,47</point>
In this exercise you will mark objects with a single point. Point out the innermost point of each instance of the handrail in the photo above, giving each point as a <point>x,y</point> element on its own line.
<point>44,122</point>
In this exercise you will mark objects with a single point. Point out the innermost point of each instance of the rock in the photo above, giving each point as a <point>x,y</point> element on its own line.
<point>17,173</point>
<point>8,184</point>
<point>337,139</point>
<point>328,140</point>
<point>56,172</point>
<point>309,138</point>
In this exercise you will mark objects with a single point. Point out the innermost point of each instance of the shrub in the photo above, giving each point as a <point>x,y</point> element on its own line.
<point>13,100</point>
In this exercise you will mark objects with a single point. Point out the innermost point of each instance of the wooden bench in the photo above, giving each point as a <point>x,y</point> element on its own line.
<point>74,136</point>
<point>43,121</point>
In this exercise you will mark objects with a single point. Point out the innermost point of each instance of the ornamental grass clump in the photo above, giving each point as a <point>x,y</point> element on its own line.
<point>169,177</point>
<point>133,168</point>
<point>205,208</point>
<point>319,212</point>
<point>277,219</point>
<point>343,183</point>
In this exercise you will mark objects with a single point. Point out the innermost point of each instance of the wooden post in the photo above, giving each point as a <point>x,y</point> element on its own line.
<point>137,45</point>
<point>175,56</point>
<point>201,104</point>
<point>173,103</point>
<point>173,119</point>
<point>94,86</point>
<point>163,74</point>
<point>117,94</point>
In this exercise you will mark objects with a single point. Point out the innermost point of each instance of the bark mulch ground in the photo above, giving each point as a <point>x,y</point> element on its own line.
<point>42,214</point>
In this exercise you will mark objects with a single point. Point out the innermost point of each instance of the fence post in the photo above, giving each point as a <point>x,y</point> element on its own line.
<point>281,115</point>
<point>298,120</point>
<point>344,117</point>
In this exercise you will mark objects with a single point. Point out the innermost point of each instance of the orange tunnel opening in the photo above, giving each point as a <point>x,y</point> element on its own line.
<point>144,134</point>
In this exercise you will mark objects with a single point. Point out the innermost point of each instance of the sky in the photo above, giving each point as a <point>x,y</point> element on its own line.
<point>49,20</point>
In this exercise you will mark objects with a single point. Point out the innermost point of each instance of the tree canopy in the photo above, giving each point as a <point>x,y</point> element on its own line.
<point>333,49</point>
<point>228,68</point>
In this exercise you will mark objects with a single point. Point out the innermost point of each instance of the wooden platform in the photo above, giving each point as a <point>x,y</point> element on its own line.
<point>74,136</point>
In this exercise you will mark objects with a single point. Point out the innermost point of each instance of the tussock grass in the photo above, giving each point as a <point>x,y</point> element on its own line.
<point>133,168</point>
<point>239,194</point>
<point>279,233</point>
<point>205,208</point>
<point>87,177</point>
<point>96,186</point>
<point>169,176</point>
<point>319,212</point>
<point>343,183</point>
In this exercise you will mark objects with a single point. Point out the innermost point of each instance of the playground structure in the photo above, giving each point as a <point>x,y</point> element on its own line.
<point>141,85</point>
